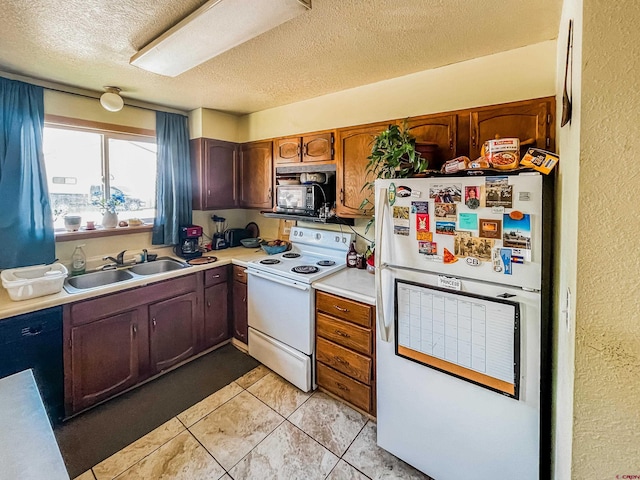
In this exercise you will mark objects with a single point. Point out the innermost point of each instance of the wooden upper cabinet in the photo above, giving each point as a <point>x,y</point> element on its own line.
<point>309,148</point>
<point>439,129</point>
<point>354,146</point>
<point>256,175</point>
<point>529,121</point>
<point>214,174</point>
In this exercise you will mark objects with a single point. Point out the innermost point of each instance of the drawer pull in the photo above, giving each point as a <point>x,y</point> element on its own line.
<point>341,309</point>
<point>340,360</point>
<point>342,387</point>
<point>342,334</point>
<point>208,304</point>
<point>216,276</point>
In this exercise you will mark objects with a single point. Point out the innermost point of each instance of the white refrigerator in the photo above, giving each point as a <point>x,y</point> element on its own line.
<point>463,288</point>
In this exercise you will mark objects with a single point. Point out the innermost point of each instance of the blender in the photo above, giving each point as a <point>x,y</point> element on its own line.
<point>219,227</point>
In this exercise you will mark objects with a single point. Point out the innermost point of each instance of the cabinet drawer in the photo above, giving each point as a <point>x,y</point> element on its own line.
<point>344,387</point>
<point>344,360</point>
<point>239,274</point>
<point>215,276</point>
<point>349,310</point>
<point>344,333</point>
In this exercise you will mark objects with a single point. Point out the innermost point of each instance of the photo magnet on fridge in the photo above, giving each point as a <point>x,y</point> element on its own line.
<point>516,233</point>
<point>505,255</point>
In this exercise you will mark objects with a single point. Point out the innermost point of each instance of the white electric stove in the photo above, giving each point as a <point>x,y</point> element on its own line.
<point>281,301</point>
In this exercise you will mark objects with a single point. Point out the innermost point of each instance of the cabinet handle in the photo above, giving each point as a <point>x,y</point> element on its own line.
<point>134,328</point>
<point>450,143</point>
<point>342,387</point>
<point>270,194</point>
<point>306,149</point>
<point>154,323</point>
<point>341,309</point>
<point>339,360</point>
<point>208,304</point>
<point>244,300</point>
<point>341,195</point>
<point>473,140</point>
<point>208,192</point>
<point>298,150</point>
<point>342,334</point>
<point>215,276</point>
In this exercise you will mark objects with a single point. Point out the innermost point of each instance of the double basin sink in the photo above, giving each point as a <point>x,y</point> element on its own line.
<point>89,281</point>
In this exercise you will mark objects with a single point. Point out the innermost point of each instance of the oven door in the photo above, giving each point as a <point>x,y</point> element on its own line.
<point>281,325</point>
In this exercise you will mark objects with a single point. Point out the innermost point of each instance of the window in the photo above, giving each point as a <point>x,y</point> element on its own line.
<point>83,164</point>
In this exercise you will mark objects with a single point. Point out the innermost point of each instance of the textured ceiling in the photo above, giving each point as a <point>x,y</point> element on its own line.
<point>337,45</point>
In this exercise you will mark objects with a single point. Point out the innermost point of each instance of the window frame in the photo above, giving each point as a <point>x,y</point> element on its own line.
<point>108,131</point>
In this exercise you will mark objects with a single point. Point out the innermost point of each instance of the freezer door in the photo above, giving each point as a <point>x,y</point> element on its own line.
<point>450,428</point>
<point>398,237</point>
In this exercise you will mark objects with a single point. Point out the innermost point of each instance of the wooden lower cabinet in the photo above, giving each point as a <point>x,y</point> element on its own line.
<point>104,358</point>
<point>173,327</point>
<point>240,320</point>
<point>345,350</point>
<point>216,310</point>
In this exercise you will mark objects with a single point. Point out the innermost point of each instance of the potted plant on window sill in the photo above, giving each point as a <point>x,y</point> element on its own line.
<point>393,155</point>
<point>108,209</point>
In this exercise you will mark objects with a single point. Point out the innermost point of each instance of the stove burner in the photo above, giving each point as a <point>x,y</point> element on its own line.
<point>290,255</point>
<point>326,263</point>
<point>270,261</point>
<point>305,269</point>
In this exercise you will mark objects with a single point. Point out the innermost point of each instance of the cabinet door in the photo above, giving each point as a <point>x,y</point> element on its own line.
<point>104,358</point>
<point>529,121</point>
<point>354,146</point>
<point>240,322</point>
<point>216,317</point>
<point>438,129</point>
<point>214,174</point>
<point>317,148</point>
<point>286,150</point>
<point>172,331</point>
<point>256,175</point>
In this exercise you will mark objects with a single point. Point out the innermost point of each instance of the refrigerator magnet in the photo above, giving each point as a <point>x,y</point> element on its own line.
<point>403,191</point>
<point>472,197</point>
<point>516,233</point>
<point>446,211</point>
<point>490,228</point>
<point>498,192</point>
<point>391,193</point>
<point>419,207</point>
<point>422,222</point>
<point>424,236</point>
<point>505,255</point>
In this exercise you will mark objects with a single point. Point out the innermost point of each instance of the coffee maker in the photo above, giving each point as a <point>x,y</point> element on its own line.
<point>219,227</point>
<point>189,237</point>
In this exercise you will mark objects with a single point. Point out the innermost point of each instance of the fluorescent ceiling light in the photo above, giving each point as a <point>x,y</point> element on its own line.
<point>217,26</point>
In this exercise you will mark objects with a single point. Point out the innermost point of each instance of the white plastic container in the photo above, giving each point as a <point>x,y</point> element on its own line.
<point>30,282</point>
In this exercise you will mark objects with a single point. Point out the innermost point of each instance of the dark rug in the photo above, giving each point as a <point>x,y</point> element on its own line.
<point>100,432</point>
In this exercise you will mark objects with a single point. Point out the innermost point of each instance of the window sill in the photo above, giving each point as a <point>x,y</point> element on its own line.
<point>62,236</point>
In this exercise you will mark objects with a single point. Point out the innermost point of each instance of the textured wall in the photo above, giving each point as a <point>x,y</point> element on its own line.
<point>566,243</point>
<point>607,352</point>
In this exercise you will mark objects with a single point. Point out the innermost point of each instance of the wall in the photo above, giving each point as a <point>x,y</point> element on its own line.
<point>520,74</point>
<point>607,349</point>
<point>207,123</point>
<point>566,242</point>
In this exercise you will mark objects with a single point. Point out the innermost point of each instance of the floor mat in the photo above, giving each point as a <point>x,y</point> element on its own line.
<point>97,434</point>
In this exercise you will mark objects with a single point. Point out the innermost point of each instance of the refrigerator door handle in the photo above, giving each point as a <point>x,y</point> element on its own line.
<point>381,209</point>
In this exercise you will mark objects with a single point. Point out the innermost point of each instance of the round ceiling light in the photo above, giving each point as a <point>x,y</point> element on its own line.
<point>111,100</point>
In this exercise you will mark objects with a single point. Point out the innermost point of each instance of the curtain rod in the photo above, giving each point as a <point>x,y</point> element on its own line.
<point>81,92</point>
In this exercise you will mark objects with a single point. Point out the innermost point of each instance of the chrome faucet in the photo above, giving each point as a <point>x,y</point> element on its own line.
<point>119,261</point>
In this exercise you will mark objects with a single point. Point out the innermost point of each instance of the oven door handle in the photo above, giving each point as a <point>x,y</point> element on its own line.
<point>281,281</point>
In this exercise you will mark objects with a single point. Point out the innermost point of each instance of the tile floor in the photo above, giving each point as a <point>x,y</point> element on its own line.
<point>258,427</point>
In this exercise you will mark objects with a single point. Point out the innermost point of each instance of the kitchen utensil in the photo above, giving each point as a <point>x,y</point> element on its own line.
<point>253,229</point>
<point>202,260</point>
<point>250,242</point>
<point>273,249</point>
<point>566,101</point>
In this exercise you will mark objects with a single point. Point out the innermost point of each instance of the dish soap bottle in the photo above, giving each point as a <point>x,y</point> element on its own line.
<point>78,261</point>
<point>352,256</point>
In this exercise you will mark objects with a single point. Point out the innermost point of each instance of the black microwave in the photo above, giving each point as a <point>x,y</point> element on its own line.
<point>303,199</point>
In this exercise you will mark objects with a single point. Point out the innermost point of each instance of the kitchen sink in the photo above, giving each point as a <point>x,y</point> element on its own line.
<point>96,279</point>
<point>160,265</point>
<point>107,277</point>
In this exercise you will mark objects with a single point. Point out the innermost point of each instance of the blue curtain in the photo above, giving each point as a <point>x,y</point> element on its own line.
<point>173,187</point>
<point>26,221</point>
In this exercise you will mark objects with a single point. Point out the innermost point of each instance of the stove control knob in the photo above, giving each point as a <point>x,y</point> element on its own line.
<point>344,239</point>
<point>337,239</point>
<point>318,236</point>
<point>295,233</point>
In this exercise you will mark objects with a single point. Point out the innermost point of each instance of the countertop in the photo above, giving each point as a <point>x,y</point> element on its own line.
<point>237,256</point>
<point>350,283</point>
<point>28,448</point>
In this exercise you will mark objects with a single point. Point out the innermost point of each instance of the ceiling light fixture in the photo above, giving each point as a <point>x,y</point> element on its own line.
<point>214,28</point>
<point>111,99</point>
